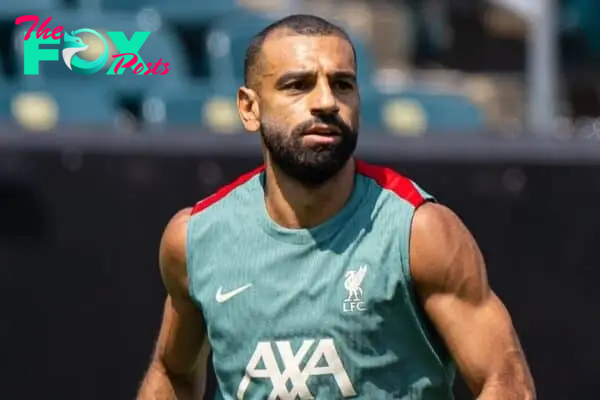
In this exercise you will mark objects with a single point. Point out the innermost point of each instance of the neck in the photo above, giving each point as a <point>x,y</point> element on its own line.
<point>293,205</point>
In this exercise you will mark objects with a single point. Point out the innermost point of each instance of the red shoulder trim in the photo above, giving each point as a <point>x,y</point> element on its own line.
<point>391,180</point>
<point>225,190</point>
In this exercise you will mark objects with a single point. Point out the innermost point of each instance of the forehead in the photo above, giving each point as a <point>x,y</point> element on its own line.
<point>297,52</point>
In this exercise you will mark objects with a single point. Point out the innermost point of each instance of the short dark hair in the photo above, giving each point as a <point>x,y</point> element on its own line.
<point>300,24</point>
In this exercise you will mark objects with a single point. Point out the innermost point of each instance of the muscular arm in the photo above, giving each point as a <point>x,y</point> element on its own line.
<point>174,366</point>
<point>450,277</point>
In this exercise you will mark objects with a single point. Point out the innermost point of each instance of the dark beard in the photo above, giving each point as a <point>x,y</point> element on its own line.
<point>311,166</point>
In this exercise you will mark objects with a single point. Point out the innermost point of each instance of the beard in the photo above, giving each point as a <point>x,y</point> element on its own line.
<point>310,165</point>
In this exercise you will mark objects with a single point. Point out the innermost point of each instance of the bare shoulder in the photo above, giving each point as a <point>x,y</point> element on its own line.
<point>172,253</point>
<point>435,226</point>
<point>443,252</point>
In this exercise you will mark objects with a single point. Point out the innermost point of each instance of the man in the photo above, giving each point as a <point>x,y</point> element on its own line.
<point>318,275</point>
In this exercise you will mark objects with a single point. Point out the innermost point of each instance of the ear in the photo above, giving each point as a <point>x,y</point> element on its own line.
<point>248,108</point>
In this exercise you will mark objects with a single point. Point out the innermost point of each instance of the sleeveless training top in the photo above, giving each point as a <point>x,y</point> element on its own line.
<point>321,313</point>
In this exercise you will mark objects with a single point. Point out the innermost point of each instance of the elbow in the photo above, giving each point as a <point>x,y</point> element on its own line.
<point>512,379</point>
<point>516,390</point>
<point>527,385</point>
<point>529,392</point>
<point>525,393</point>
<point>174,374</point>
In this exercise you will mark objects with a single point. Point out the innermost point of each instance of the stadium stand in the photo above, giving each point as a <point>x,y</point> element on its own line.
<point>197,107</point>
<point>222,51</point>
<point>16,8</point>
<point>204,43</point>
<point>174,10</point>
<point>441,112</point>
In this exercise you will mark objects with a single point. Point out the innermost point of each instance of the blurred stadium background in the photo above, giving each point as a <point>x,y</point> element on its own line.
<point>427,67</point>
<point>491,105</point>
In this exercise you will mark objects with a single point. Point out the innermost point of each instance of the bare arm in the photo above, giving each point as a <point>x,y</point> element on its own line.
<point>450,277</point>
<point>173,372</point>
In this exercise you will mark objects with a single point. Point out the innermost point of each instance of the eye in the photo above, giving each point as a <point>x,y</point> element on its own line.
<point>342,85</point>
<point>297,85</point>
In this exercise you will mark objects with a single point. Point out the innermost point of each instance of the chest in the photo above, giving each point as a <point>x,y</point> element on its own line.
<point>282,291</point>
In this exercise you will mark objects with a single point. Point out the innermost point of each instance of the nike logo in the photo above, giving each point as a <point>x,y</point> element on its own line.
<point>223,297</point>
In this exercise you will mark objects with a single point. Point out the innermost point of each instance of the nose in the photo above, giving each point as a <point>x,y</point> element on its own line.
<point>324,100</point>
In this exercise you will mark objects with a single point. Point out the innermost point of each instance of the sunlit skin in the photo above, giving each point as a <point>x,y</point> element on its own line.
<point>301,78</point>
<point>304,75</point>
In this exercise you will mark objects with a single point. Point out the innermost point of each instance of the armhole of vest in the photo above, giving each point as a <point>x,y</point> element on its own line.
<point>413,300</point>
<point>189,260</point>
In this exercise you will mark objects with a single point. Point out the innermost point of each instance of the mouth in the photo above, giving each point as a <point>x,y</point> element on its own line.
<point>323,130</point>
<point>322,134</point>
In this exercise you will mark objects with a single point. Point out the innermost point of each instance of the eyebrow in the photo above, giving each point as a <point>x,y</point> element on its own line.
<point>297,75</point>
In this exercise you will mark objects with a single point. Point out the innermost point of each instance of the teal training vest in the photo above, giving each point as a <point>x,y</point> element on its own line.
<point>321,313</point>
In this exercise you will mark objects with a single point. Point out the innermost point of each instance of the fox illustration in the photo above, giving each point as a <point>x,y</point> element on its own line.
<point>71,46</point>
